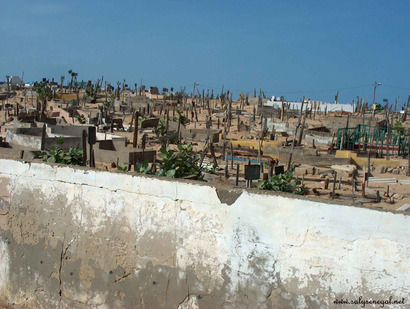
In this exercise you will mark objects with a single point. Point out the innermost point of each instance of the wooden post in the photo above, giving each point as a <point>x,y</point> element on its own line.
<point>326,185</point>
<point>43,137</point>
<point>84,140</point>
<point>196,114</point>
<point>387,138</point>
<point>353,187</point>
<point>293,147</point>
<point>270,170</point>
<point>334,186</point>
<point>303,127</point>
<point>167,120</point>
<point>237,175</point>
<point>135,139</point>
<point>211,147</point>
<point>91,142</point>
<point>363,189</point>
<point>408,163</point>
<point>259,150</point>
<point>92,157</point>
<point>179,128</point>
<point>282,114</point>
<point>231,156</point>
<point>368,163</point>
<point>249,182</point>
<point>226,166</point>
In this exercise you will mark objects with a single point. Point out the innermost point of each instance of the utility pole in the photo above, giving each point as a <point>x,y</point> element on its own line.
<point>193,92</point>
<point>8,89</point>
<point>374,96</point>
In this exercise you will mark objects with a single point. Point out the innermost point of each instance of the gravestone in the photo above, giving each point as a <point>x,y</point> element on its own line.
<point>252,172</point>
<point>279,169</point>
<point>150,123</point>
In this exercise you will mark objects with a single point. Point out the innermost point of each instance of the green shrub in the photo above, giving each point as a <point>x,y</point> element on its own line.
<point>283,183</point>
<point>122,167</point>
<point>73,156</point>
<point>175,164</point>
<point>161,130</point>
<point>211,170</point>
<point>80,118</point>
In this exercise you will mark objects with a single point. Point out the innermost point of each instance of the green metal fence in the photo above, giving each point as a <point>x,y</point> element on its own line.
<point>378,140</point>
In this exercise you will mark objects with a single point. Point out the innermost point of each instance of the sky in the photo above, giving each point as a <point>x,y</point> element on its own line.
<point>291,48</point>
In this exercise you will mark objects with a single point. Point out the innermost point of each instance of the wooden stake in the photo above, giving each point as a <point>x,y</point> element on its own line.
<point>43,137</point>
<point>237,175</point>
<point>334,186</point>
<point>135,138</point>
<point>226,165</point>
<point>353,187</point>
<point>84,140</point>
<point>231,156</point>
<point>211,147</point>
<point>326,185</point>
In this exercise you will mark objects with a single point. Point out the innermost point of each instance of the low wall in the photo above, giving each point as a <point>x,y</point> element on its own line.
<point>321,139</point>
<point>362,161</point>
<point>81,238</point>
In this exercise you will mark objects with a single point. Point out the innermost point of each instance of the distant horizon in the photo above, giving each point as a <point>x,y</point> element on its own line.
<point>216,92</point>
<point>311,49</point>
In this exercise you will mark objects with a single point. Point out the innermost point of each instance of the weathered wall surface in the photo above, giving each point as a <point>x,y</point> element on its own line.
<point>79,238</point>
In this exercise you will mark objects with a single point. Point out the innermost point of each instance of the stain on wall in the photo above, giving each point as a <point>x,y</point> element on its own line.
<point>80,238</point>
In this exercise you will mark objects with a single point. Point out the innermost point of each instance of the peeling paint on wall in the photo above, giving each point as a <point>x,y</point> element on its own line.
<point>80,238</point>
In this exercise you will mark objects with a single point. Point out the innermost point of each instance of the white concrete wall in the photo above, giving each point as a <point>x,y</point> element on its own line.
<point>30,141</point>
<point>260,251</point>
<point>331,107</point>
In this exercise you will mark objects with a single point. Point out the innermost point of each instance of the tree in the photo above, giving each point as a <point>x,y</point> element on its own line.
<point>71,82</point>
<point>43,94</point>
<point>62,77</point>
<point>73,79</point>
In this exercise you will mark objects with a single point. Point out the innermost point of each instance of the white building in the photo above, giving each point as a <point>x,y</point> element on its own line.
<point>15,81</point>
<point>321,106</point>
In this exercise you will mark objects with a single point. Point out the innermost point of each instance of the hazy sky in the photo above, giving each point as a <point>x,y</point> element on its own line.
<point>291,48</point>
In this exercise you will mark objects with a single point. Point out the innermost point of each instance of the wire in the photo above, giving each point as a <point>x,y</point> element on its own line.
<point>290,92</point>
<point>397,87</point>
<point>329,90</point>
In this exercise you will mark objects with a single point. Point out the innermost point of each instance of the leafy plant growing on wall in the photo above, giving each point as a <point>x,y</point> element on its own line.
<point>73,156</point>
<point>80,118</point>
<point>175,164</point>
<point>141,118</point>
<point>179,164</point>
<point>398,126</point>
<point>211,170</point>
<point>143,168</point>
<point>161,130</point>
<point>283,183</point>
<point>184,120</point>
<point>122,167</point>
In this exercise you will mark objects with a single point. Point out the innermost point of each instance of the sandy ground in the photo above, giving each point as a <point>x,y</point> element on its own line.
<point>344,193</point>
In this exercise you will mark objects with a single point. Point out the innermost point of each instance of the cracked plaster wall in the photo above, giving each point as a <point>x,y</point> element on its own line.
<point>78,238</point>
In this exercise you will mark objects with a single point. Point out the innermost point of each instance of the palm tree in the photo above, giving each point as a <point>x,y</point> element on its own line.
<point>43,93</point>
<point>62,77</point>
<point>71,82</point>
